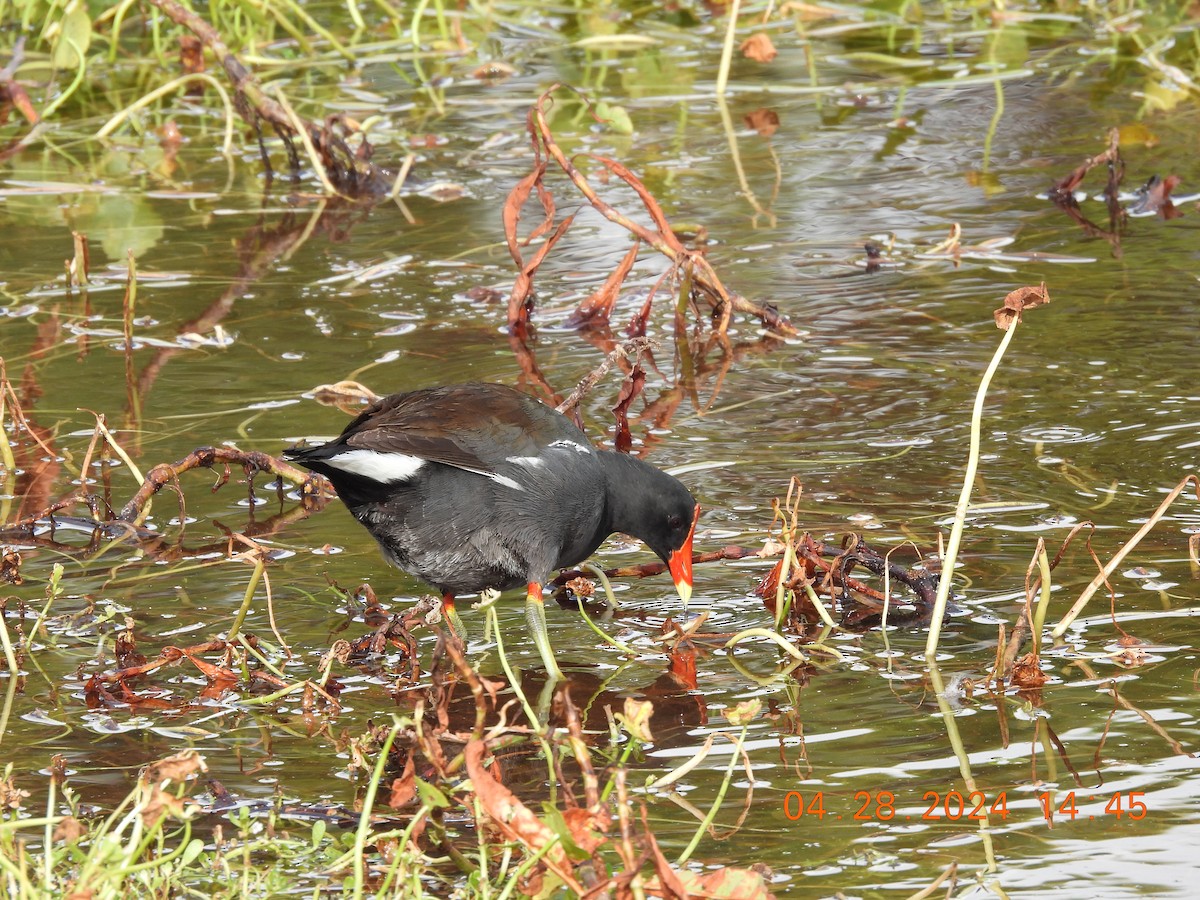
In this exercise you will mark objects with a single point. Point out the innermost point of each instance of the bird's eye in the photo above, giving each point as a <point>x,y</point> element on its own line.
<point>674,522</point>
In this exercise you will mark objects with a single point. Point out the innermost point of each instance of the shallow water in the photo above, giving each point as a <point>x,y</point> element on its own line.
<point>1093,416</point>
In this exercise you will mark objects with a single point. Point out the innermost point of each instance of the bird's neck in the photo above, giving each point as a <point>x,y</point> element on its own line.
<point>628,479</point>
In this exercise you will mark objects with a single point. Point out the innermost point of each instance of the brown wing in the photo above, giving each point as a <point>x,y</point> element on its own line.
<point>470,426</point>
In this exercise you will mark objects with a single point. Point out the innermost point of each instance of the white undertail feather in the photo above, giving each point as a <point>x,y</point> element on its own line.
<point>392,468</point>
<point>385,468</point>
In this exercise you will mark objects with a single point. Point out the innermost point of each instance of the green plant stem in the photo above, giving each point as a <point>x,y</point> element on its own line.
<point>73,86</point>
<point>773,636</point>
<point>727,47</point>
<point>716,805</point>
<point>819,606</point>
<point>964,497</point>
<point>960,753</point>
<point>364,820</point>
<point>1119,556</point>
<point>255,577</point>
<point>1043,604</point>
<point>169,88</point>
<point>534,722</point>
<point>992,126</point>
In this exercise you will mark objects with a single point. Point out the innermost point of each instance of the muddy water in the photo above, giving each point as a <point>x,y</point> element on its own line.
<point>1093,416</point>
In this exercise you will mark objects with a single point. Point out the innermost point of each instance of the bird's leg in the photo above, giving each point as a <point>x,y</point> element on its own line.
<point>450,614</point>
<point>535,614</point>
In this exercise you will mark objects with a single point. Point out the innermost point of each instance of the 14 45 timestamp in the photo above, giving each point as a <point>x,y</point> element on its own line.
<point>880,806</point>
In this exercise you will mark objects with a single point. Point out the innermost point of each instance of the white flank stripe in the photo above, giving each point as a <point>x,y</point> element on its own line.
<point>531,462</point>
<point>571,445</point>
<point>385,468</point>
<point>501,479</point>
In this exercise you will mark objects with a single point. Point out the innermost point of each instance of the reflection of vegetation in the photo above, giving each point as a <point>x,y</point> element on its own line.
<point>95,59</point>
<point>460,822</point>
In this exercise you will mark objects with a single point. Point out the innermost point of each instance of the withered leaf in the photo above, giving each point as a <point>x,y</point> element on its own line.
<point>511,816</point>
<point>630,388</point>
<point>744,713</point>
<point>191,54</point>
<point>581,587</point>
<point>157,803</point>
<point>1026,673</point>
<point>10,568</point>
<point>176,768</point>
<point>759,48</point>
<point>585,828</point>
<point>69,830</point>
<point>597,308</point>
<point>11,796</point>
<point>1017,302</point>
<point>724,884</point>
<point>404,788</point>
<point>636,719</point>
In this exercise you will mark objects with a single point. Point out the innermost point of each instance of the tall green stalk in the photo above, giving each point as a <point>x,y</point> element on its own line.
<point>964,497</point>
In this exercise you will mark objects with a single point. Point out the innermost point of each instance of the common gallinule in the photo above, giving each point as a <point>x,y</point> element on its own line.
<point>477,486</point>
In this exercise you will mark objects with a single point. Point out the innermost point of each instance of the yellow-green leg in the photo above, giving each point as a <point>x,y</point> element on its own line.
<point>535,614</point>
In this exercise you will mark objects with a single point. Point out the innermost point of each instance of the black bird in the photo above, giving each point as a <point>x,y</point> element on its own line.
<point>478,486</point>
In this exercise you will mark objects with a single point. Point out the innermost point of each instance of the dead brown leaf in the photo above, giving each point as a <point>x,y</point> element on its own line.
<point>11,91</point>
<point>511,213</point>
<point>513,818</point>
<point>1017,302</point>
<point>581,587</point>
<point>404,786</point>
<point>585,828</point>
<point>191,54</point>
<point>759,48</point>
<point>69,830</point>
<point>597,308</point>
<point>157,803</point>
<point>636,718</point>
<point>1027,673</point>
<point>723,884</point>
<point>11,795</point>
<point>631,387</point>
<point>177,768</point>
<point>10,568</point>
